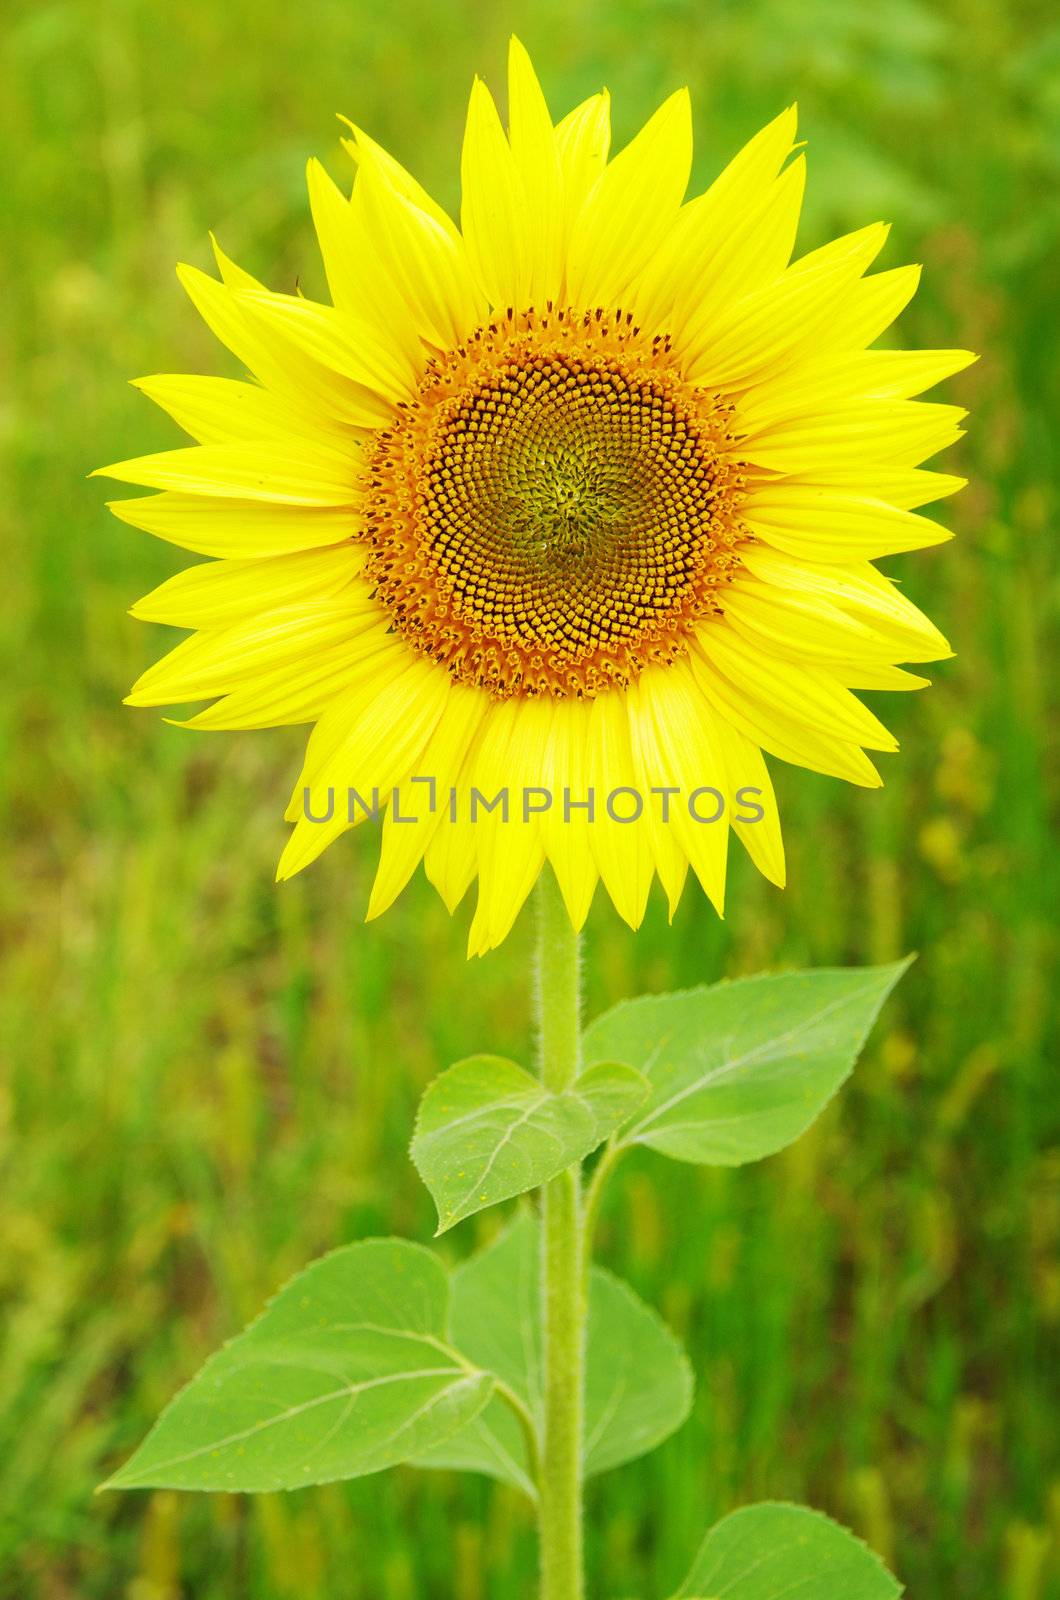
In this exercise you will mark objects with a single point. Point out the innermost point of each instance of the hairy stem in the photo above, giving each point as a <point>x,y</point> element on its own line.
<point>563,1271</point>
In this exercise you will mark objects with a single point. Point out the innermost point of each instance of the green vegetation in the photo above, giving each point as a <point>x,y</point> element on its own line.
<point>210,1081</point>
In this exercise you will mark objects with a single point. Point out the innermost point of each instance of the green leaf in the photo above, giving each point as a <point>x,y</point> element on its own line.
<point>638,1380</point>
<point>771,1552</point>
<point>488,1130</point>
<point>347,1371</point>
<point>740,1070</point>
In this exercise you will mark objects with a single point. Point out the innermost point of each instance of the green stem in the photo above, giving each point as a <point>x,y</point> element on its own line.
<point>562,1264</point>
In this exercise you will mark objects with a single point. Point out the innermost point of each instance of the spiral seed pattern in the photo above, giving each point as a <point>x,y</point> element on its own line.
<point>557,509</point>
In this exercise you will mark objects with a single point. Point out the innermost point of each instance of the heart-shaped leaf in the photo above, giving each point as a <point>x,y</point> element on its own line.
<point>488,1130</point>
<point>638,1380</point>
<point>771,1552</point>
<point>739,1070</point>
<point>347,1371</point>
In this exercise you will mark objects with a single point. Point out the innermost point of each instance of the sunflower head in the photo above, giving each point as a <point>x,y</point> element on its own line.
<point>556,511</point>
<point>551,523</point>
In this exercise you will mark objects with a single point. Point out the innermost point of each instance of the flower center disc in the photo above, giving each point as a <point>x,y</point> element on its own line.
<point>556,510</point>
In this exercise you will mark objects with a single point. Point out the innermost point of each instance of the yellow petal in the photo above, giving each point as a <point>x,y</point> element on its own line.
<point>223,411</point>
<point>631,208</point>
<point>357,280</point>
<point>823,523</point>
<point>370,154</point>
<point>903,487</point>
<point>273,359</point>
<point>818,385</point>
<point>864,594</point>
<point>423,798</point>
<point>732,346</point>
<point>216,593</point>
<point>493,213</point>
<point>219,660</point>
<point>902,432</point>
<point>566,826</point>
<point>536,161</point>
<point>800,627</point>
<point>280,696</point>
<point>805,694</point>
<point>373,742</point>
<point>724,260</point>
<point>745,203</point>
<point>295,476</point>
<point>236,527</point>
<point>652,774</point>
<point>740,185</point>
<point>381,375</point>
<point>760,721</point>
<point>865,310</point>
<point>859,675</point>
<point>753,812</point>
<point>507,757</point>
<point>621,848</point>
<point>679,749</point>
<point>583,139</point>
<point>417,249</point>
<point>853,621</point>
<point>450,860</point>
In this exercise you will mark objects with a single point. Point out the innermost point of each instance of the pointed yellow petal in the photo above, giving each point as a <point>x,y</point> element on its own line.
<point>370,154</point>
<point>621,848</point>
<point>236,527</point>
<point>418,251</point>
<point>902,432</point>
<point>216,593</point>
<point>807,695</point>
<point>652,774</point>
<point>507,759</point>
<point>722,260</point>
<point>219,660</point>
<point>583,139</point>
<point>356,279</point>
<point>223,411</point>
<point>862,594</point>
<point>903,487</point>
<point>381,375</point>
<point>450,861</point>
<point>422,800</point>
<point>631,208</point>
<point>800,627</point>
<point>739,187</point>
<point>536,160</point>
<point>817,385</point>
<point>295,476</point>
<point>753,810</point>
<point>279,696</point>
<point>493,214</point>
<point>678,749</point>
<point>859,675</point>
<point>717,232</point>
<point>822,523</point>
<point>866,309</point>
<point>375,742</point>
<point>761,722</point>
<point>277,362</point>
<point>854,621</point>
<point>732,346</point>
<point>566,827</point>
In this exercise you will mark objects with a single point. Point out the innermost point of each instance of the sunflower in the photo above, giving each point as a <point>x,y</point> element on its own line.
<point>578,501</point>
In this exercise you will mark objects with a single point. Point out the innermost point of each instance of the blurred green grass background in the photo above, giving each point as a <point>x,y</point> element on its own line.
<point>209,1081</point>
